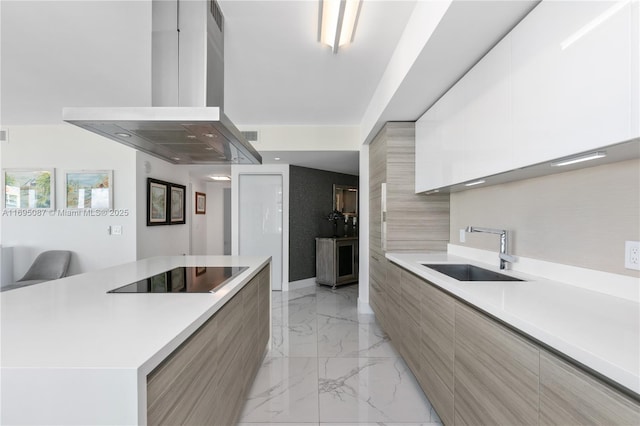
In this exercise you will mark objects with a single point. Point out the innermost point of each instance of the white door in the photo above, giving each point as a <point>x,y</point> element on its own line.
<point>260,211</point>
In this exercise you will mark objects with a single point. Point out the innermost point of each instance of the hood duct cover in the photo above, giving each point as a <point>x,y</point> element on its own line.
<point>186,124</point>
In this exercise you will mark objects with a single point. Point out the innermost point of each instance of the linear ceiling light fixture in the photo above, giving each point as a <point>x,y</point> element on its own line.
<point>337,21</point>
<point>579,158</point>
<point>220,177</point>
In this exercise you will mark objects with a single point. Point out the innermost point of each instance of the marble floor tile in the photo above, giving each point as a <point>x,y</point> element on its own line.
<point>330,366</point>
<point>294,340</point>
<point>352,339</point>
<point>340,303</point>
<point>294,313</point>
<point>370,390</point>
<point>285,390</point>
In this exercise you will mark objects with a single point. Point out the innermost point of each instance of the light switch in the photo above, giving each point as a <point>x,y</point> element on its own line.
<point>463,235</point>
<point>116,229</point>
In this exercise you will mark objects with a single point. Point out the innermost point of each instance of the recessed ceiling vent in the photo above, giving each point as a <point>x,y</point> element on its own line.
<point>250,135</point>
<point>216,13</point>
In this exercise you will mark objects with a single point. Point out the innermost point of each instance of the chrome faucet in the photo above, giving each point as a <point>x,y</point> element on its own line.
<point>504,257</point>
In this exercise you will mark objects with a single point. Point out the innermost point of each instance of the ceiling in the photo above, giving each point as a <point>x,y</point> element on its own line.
<point>277,73</point>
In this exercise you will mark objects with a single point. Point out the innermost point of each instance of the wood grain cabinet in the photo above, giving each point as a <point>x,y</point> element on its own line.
<point>411,288</point>
<point>411,222</point>
<point>393,291</point>
<point>377,293</point>
<point>496,373</point>
<point>437,341</point>
<point>570,397</point>
<point>205,380</point>
<point>477,371</point>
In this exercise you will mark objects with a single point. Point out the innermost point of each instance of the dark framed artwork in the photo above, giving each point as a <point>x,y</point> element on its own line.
<point>201,203</point>
<point>157,202</point>
<point>178,201</point>
<point>165,203</point>
<point>178,280</point>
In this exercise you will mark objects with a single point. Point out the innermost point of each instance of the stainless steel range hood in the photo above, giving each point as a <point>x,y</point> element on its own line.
<point>185,123</point>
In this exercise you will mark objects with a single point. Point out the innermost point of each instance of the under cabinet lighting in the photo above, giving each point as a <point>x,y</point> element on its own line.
<point>477,182</point>
<point>123,135</point>
<point>337,22</point>
<point>220,177</point>
<point>579,158</point>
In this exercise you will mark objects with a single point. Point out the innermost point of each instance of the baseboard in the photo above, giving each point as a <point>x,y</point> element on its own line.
<point>307,282</point>
<point>364,307</point>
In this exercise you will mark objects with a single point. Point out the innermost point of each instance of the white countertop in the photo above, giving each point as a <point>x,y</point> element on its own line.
<point>598,330</point>
<point>73,325</point>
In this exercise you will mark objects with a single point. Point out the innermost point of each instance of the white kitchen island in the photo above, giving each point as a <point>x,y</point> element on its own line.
<point>73,354</point>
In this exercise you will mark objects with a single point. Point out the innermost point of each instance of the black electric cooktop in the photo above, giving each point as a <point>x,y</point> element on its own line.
<point>198,279</point>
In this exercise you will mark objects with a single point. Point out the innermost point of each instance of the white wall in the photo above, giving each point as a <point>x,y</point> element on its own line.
<point>363,233</point>
<point>59,54</point>
<point>66,147</point>
<point>306,138</point>
<point>160,240</point>
<point>215,217</point>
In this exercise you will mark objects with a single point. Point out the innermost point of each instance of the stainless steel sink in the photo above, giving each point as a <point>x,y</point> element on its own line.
<point>465,272</point>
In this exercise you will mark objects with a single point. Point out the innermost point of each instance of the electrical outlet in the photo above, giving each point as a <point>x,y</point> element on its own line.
<point>116,230</point>
<point>463,235</point>
<point>632,255</point>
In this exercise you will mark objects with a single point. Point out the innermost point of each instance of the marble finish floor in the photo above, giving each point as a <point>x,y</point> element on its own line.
<point>328,365</point>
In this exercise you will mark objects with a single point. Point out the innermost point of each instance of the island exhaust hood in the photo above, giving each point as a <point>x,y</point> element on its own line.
<point>186,123</point>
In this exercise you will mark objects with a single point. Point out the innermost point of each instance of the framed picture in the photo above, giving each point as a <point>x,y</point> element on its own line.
<point>177,204</point>
<point>89,189</point>
<point>201,203</point>
<point>157,202</point>
<point>158,283</point>
<point>178,279</point>
<point>29,188</point>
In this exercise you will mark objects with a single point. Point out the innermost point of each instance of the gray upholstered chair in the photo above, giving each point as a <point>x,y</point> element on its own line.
<point>49,265</point>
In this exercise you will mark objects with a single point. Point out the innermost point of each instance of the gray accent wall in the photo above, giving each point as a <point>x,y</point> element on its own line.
<point>310,201</point>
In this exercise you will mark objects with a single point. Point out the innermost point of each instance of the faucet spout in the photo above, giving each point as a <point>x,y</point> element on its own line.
<point>504,257</point>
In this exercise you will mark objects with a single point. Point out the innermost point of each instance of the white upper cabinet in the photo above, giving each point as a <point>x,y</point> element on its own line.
<point>564,81</point>
<point>571,79</point>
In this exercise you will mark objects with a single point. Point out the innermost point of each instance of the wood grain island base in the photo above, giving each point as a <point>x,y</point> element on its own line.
<point>205,380</point>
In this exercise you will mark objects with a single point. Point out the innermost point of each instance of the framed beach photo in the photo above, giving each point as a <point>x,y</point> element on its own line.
<point>28,188</point>
<point>157,202</point>
<point>89,189</point>
<point>177,204</point>
<point>201,203</point>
